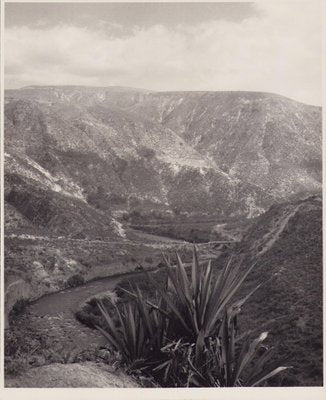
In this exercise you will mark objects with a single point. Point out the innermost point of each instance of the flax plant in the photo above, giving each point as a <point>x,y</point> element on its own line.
<point>197,303</point>
<point>187,335</point>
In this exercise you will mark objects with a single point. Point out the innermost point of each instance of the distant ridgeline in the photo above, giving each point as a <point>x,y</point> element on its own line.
<point>75,155</point>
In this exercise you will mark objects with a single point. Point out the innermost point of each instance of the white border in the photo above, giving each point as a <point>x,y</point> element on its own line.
<point>1,191</point>
<point>302,393</point>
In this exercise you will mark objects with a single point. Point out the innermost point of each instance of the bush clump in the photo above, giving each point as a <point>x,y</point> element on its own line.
<point>19,307</point>
<point>75,280</point>
<point>89,313</point>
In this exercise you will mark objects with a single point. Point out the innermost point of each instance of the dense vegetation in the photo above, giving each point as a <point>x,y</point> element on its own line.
<point>186,334</point>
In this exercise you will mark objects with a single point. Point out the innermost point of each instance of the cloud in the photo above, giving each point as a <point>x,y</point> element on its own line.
<point>278,51</point>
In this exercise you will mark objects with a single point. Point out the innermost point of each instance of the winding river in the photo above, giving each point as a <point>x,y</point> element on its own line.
<point>53,316</point>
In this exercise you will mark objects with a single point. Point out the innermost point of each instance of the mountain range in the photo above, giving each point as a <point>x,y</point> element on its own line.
<point>86,165</point>
<point>76,157</point>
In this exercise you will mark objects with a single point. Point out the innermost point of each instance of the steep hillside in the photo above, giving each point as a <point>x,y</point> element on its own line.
<point>104,157</point>
<point>77,158</point>
<point>265,139</point>
<point>231,153</point>
<point>286,243</point>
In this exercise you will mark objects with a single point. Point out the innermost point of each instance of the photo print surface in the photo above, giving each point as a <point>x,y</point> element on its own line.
<point>163,195</point>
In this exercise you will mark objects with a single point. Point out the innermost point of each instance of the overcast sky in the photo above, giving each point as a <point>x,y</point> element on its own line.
<point>270,46</point>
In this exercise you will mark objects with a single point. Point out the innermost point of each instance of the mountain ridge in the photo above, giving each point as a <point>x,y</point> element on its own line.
<point>228,153</point>
<point>136,89</point>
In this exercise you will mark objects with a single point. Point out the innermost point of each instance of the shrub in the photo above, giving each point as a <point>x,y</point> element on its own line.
<point>146,152</point>
<point>12,343</point>
<point>75,280</point>
<point>19,307</point>
<point>87,318</point>
<point>89,313</point>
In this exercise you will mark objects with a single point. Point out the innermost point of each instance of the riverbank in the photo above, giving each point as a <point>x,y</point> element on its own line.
<point>37,266</point>
<point>47,331</point>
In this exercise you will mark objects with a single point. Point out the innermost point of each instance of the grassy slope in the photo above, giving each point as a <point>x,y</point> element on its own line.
<point>293,295</point>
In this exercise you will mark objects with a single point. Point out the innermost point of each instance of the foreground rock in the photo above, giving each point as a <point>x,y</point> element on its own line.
<point>88,374</point>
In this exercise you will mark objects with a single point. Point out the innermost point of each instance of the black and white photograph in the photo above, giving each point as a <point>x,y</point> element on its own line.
<point>162,195</point>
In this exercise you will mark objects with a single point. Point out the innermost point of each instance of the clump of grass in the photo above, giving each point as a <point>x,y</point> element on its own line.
<point>187,335</point>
